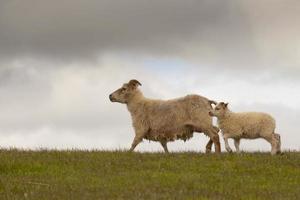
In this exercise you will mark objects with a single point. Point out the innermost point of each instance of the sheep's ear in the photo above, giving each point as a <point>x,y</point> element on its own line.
<point>134,83</point>
<point>226,105</point>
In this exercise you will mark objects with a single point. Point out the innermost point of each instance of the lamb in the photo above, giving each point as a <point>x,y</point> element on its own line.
<point>249,125</point>
<point>167,120</point>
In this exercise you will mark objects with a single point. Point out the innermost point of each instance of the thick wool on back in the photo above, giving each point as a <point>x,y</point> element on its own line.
<point>247,125</point>
<point>169,119</point>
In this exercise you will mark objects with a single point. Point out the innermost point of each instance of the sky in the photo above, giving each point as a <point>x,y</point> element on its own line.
<point>60,59</point>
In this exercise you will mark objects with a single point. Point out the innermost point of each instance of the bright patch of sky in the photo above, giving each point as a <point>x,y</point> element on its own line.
<point>170,69</point>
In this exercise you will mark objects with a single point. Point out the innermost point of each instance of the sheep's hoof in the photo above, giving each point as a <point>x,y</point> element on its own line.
<point>278,152</point>
<point>130,150</point>
<point>208,151</point>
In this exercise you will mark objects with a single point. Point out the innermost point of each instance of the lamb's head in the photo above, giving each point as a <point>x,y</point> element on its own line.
<point>126,92</point>
<point>220,110</point>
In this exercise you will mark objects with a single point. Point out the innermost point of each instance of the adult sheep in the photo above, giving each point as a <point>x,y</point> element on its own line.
<point>249,125</point>
<point>165,121</point>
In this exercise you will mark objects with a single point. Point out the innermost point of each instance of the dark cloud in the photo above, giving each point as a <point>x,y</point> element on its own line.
<point>81,28</point>
<point>213,32</point>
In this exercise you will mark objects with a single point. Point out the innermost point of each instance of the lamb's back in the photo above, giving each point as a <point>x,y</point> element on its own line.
<point>248,124</point>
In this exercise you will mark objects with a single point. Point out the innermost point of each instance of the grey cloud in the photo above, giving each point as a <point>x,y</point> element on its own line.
<point>82,28</point>
<point>211,32</point>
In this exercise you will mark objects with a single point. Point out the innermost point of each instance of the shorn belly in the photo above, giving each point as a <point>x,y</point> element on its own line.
<point>251,135</point>
<point>169,135</point>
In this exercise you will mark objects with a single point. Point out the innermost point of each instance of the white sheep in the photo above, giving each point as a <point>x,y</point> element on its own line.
<point>248,125</point>
<point>167,120</point>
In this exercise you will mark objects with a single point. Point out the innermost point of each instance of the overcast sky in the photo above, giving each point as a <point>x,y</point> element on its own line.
<point>60,59</point>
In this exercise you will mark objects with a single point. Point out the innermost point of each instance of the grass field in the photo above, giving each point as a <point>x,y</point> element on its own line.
<point>119,175</point>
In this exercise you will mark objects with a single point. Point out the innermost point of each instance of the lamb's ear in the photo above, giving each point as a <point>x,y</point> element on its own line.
<point>134,83</point>
<point>226,105</point>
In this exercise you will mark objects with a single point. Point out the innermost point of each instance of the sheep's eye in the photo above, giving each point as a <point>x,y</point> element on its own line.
<point>217,108</point>
<point>123,89</point>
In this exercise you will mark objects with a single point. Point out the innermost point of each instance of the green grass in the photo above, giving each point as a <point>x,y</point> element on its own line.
<point>119,175</point>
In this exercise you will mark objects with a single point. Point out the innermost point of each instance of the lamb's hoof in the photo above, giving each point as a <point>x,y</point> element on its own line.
<point>278,153</point>
<point>230,151</point>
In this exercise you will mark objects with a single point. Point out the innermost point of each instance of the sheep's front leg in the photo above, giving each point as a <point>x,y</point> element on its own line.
<point>237,145</point>
<point>228,149</point>
<point>164,145</point>
<point>136,141</point>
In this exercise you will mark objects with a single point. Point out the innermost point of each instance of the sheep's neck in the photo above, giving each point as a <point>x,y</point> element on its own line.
<point>135,103</point>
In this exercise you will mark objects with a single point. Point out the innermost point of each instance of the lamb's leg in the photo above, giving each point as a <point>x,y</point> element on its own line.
<point>228,149</point>
<point>237,145</point>
<point>276,143</point>
<point>164,145</point>
<point>278,139</point>
<point>136,141</point>
<point>270,139</point>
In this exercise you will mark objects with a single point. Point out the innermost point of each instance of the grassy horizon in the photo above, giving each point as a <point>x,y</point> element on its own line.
<point>84,174</point>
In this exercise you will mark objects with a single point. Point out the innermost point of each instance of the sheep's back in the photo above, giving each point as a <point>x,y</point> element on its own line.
<point>168,118</point>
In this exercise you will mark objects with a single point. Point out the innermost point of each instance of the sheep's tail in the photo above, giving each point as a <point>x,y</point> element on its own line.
<point>212,102</point>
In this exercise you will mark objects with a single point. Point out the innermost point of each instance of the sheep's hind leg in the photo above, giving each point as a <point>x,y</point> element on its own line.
<point>164,145</point>
<point>210,142</point>
<point>208,146</point>
<point>213,134</point>
<point>237,145</point>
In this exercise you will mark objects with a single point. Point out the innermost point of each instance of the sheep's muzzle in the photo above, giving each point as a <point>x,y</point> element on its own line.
<point>111,98</point>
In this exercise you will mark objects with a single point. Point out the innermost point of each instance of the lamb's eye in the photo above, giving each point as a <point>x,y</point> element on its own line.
<point>123,90</point>
<point>217,108</point>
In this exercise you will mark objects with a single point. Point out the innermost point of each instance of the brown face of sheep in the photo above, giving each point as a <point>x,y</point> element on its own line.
<point>125,93</point>
<point>219,110</point>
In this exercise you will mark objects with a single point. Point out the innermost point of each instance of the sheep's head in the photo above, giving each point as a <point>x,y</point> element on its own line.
<point>220,110</point>
<point>126,92</point>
